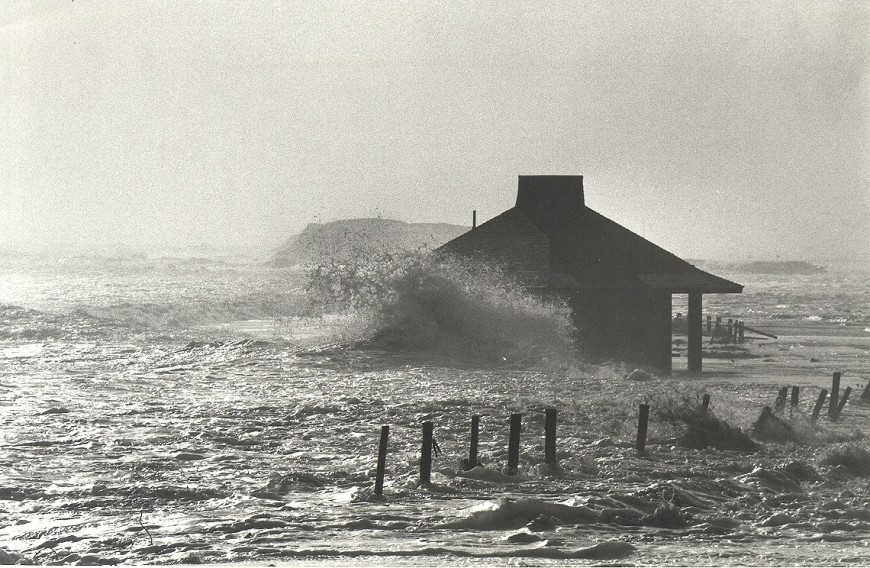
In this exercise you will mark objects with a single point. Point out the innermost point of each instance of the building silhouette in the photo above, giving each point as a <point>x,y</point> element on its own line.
<point>619,285</point>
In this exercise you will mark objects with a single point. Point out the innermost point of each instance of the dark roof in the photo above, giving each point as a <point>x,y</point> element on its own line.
<point>550,239</point>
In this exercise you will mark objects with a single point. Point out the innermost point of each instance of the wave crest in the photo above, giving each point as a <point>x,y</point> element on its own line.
<point>449,305</point>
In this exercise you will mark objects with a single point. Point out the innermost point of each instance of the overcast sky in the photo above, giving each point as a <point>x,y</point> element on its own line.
<point>732,129</point>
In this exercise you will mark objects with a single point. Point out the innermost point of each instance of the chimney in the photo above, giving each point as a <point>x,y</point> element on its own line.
<point>548,195</point>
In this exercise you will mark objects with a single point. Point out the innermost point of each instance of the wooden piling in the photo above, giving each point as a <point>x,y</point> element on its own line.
<point>472,450</point>
<point>742,332</point>
<point>842,402</point>
<point>642,419</point>
<point>426,454</point>
<point>779,405</point>
<point>819,403</point>
<point>382,461</point>
<point>514,442</point>
<point>835,394</point>
<point>730,330</point>
<point>695,354</point>
<point>550,436</point>
<point>474,218</point>
<point>795,394</point>
<point>866,394</point>
<point>709,324</point>
<point>705,404</point>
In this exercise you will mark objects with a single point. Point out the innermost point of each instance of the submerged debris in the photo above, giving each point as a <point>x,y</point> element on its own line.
<point>705,430</point>
<point>771,428</point>
<point>280,485</point>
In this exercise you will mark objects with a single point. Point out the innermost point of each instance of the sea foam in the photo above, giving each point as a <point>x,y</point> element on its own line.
<point>421,302</point>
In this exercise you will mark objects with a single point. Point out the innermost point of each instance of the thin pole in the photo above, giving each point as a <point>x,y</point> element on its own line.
<point>694,332</point>
<point>835,393</point>
<point>642,420</point>
<point>550,436</point>
<point>382,461</point>
<point>779,405</point>
<point>514,442</point>
<point>426,454</point>
<point>819,402</point>
<point>842,402</point>
<point>472,450</point>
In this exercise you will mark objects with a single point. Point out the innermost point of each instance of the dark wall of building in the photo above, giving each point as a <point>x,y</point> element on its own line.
<point>626,325</point>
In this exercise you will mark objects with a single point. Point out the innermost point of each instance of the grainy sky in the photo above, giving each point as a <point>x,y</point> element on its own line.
<point>733,129</point>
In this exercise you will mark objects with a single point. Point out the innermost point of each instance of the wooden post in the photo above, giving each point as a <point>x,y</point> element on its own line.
<point>426,454</point>
<point>795,393</point>
<point>779,405</point>
<point>866,394</point>
<point>550,436</point>
<point>741,335</point>
<point>382,461</point>
<point>709,324</point>
<point>705,404</point>
<point>730,330</point>
<point>474,218</point>
<point>835,394</point>
<point>842,402</point>
<point>514,442</point>
<point>819,402</point>
<point>472,450</point>
<point>642,420</point>
<point>694,323</point>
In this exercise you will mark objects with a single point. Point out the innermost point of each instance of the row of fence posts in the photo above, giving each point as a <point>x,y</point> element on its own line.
<point>430,445</point>
<point>835,404</point>
<point>735,332</point>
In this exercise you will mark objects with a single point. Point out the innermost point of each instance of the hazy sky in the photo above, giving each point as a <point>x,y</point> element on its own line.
<point>715,129</point>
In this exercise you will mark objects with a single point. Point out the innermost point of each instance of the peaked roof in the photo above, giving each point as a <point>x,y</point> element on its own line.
<point>550,239</point>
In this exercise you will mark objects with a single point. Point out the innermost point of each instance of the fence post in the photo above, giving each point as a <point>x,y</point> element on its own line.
<point>842,402</point>
<point>779,405</point>
<point>642,419</point>
<point>819,402</point>
<point>382,461</point>
<point>742,332</point>
<point>709,324</point>
<point>472,450</point>
<point>550,436</point>
<point>426,454</point>
<point>514,443</point>
<point>835,394</point>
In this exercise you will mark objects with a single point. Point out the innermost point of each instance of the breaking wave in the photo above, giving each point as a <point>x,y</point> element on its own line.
<point>421,302</point>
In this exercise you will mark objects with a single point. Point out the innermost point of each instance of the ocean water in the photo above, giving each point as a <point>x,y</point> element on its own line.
<point>199,410</point>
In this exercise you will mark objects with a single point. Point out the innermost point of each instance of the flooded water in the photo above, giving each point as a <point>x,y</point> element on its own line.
<point>194,410</point>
